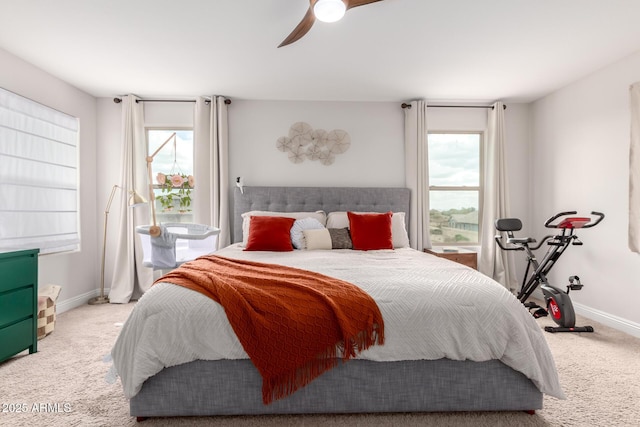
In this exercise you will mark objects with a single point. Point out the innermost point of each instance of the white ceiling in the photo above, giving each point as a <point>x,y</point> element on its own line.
<point>441,50</point>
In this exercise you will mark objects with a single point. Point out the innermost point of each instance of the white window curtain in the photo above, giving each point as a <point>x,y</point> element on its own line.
<point>38,176</point>
<point>495,262</point>
<point>130,278</point>
<point>634,170</point>
<point>417,173</point>
<point>211,166</point>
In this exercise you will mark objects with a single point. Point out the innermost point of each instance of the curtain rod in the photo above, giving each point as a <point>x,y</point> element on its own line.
<point>405,105</point>
<point>207,101</point>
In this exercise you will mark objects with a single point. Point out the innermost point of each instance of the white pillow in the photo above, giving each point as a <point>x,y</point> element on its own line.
<point>317,239</point>
<point>297,237</point>
<point>337,220</point>
<point>398,227</point>
<point>246,219</point>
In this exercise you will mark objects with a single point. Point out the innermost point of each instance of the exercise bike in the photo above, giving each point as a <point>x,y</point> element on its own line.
<point>557,300</point>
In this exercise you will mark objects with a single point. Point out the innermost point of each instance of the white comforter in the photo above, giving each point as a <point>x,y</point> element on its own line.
<point>432,309</point>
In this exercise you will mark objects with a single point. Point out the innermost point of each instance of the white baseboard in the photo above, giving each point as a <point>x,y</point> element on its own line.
<point>77,301</point>
<point>607,319</point>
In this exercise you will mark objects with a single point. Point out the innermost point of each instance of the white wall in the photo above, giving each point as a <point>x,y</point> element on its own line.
<point>375,158</point>
<point>376,155</point>
<point>567,151</point>
<point>580,161</point>
<point>76,272</point>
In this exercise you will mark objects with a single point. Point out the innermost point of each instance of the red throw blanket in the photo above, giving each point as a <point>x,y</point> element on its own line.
<point>291,322</point>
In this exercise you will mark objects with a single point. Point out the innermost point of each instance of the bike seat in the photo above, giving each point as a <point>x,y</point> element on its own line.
<point>520,240</point>
<point>508,224</point>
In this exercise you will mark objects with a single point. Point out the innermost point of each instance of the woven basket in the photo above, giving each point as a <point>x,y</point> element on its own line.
<point>47,297</point>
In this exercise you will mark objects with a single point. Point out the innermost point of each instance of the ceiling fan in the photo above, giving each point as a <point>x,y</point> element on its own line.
<point>323,10</point>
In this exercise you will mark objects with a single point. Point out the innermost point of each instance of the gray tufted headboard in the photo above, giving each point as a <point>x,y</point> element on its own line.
<point>309,199</point>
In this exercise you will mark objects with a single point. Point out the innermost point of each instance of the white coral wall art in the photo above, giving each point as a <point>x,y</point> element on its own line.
<point>304,142</point>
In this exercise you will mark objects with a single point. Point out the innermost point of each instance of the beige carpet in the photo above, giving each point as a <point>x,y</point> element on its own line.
<point>63,384</point>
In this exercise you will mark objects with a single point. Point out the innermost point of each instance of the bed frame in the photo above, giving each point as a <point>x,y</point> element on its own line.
<point>233,387</point>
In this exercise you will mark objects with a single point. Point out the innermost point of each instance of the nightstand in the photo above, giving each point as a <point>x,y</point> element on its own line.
<point>463,256</point>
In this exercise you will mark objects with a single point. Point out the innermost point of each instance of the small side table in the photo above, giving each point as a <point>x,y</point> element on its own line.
<point>463,256</point>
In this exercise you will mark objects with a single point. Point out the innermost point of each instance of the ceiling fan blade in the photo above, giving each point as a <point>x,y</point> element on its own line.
<point>303,27</point>
<point>355,3</point>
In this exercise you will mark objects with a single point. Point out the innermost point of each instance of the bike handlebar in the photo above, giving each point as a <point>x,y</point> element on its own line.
<point>600,216</point>
<point>549,224</point>
<point>556,216</point>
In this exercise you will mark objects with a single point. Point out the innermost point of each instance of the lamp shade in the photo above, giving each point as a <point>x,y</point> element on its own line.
<point>136,199</point>
<point>329,10</point>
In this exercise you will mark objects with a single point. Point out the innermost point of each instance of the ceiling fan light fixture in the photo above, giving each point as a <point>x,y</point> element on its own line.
<point>329,10</point>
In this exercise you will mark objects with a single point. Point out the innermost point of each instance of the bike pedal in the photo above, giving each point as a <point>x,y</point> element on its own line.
<point>541,312</point>
<point>575,287</point>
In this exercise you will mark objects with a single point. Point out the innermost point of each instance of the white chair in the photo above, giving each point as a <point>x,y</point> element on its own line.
<point>178,243</point>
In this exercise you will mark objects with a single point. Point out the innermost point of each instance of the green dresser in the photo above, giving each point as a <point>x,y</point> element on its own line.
<point>18,302</point>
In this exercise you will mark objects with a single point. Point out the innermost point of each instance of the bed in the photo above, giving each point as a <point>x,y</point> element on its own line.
<point>429,363</point>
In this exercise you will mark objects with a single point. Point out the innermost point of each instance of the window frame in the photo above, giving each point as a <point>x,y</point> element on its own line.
<point>480,188</point>
<point>171,217</point>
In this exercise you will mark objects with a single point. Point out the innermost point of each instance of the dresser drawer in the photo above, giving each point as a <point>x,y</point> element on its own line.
<point>16,305</point>
<point>469,260</point>
<point>461,256</point>
<point>18,302</point>
<point>17,272</point>
<point>16,338</point>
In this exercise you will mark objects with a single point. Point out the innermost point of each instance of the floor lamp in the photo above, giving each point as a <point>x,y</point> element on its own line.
<point>134,200</point>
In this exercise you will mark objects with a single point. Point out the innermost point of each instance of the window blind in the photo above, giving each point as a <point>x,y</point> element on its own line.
<point>38,176</point>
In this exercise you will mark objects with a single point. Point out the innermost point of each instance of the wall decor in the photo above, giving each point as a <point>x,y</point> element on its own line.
<point>304,142</point>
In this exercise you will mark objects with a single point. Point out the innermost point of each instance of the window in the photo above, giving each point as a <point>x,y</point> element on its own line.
<point>455,190</point>
<point>38,176</point>
<point>174,200</point>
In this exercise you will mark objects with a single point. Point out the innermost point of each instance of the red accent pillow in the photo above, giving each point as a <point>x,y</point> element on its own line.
<point>270,233</point>
<point>370,231</point>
